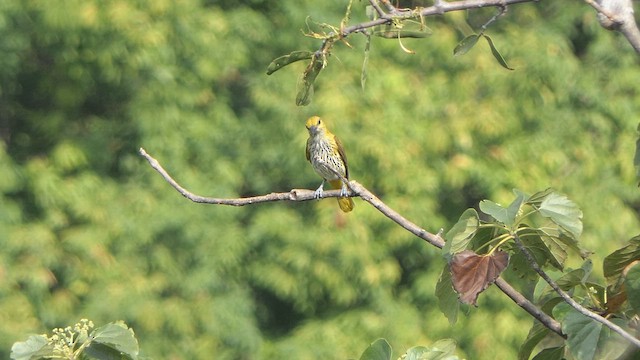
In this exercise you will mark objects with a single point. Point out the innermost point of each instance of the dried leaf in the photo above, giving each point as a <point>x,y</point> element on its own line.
<point>471,273</point>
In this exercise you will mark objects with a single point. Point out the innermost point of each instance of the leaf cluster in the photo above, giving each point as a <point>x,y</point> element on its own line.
<point>546,226</point>
<point>111,341</point>
<point>440,350</point>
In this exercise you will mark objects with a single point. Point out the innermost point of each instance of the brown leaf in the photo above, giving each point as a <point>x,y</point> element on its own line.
<point>471,273</point>
<point>615,300</point>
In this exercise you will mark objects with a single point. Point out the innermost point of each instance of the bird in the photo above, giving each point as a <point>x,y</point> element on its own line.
<point>326,155</point>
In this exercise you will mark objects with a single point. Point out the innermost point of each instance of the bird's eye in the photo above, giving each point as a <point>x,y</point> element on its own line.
<point>319,121</point>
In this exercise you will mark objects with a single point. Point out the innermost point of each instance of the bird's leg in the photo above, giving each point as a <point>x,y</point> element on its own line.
<point>319,191</point>
<point>344,191</point>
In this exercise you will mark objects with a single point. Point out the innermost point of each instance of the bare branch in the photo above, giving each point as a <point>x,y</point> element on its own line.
<point>292,195</point>
<point>581,309</point>
<point>355,190</point>
<point>621,21</point>
<point>618,15</point>
<point>439,8</point>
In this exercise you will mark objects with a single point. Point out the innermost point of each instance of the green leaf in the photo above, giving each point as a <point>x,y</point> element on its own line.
<point>507,216</point>
<point>572,279</point>
<point>495,210</point>
<point>496,53</point>
<point>440,350</point>
<point>285,60</point>
<point>588,339</point>
<point>563,212</point>
<point>615,263</point>
<point>514,208</point>
<point>482,236</point>
<point>446,347</point>
<point>561,310</point>
<point>305,85</point>
<point>36,347</point>
<point>465,45</point>
<point>461,233</point>
<point>532,241</point>
<point>583,334</point>
<point>378,350</point>
<point>554,353</point>
<point>537,332</point>
<point>104,352</point>
<point>537,198</point>
<point>416,353</point>
<point>557,249</point>
<point>117,336</point>
<point>447,297</point>
<point>632,284</point>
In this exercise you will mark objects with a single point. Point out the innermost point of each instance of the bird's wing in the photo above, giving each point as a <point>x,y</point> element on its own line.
<point>307,150</point>
<point>343,156</point>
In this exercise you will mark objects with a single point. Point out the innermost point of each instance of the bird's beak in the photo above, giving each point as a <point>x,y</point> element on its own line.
<point>312,129</point>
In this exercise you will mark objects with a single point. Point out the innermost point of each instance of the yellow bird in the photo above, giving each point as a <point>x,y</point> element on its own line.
<point>325,153</point>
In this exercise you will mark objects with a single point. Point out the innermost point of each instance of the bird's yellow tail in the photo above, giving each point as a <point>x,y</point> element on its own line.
<point>346,203</point>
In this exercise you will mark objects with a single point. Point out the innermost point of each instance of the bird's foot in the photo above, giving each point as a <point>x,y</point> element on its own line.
<point>344,191</point>
<point>319,191</point>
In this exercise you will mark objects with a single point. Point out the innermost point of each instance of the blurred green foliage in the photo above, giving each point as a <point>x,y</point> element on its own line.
<point>89,230</point>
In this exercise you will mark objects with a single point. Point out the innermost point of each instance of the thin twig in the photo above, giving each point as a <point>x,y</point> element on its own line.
<point>355,189</point>
<point>581,309</point>
<point>503,10</point>
<point>439,8</point>
<point>376,6</point>
<point>391,8</point>
<point>628,28</point>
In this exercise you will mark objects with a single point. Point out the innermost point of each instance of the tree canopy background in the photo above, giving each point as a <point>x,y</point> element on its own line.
<point>88,230</point>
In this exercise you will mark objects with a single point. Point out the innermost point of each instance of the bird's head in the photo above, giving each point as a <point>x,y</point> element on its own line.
<point>315,125</point>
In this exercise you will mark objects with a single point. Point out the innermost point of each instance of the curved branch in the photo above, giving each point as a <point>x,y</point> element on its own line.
<point>293,195</point>
<point>355,189</point>
<point>574,304</point>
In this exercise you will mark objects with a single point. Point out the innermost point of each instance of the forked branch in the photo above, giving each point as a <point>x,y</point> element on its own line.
<point>621,21</point>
